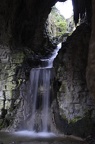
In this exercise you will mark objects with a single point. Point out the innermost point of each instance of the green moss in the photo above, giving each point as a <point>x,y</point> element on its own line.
<point>75,119</point>
<point>63,116</point>
<point>18,57</point>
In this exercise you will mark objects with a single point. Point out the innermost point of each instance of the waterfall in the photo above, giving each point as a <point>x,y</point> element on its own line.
<point>46,94</point>
<point>34,78</point>
<point>49,62</point>
<point>39,87</point>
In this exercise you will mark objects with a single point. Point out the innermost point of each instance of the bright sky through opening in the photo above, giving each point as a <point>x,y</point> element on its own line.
<point>65,8</point>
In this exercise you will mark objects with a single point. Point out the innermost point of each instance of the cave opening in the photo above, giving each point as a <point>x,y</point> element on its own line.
<point>60,24</point>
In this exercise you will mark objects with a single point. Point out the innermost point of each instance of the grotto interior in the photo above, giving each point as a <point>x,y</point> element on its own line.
<point>24,44</point>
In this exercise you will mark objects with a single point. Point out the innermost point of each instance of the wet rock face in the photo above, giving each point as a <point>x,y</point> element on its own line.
<point>10,80</point>
<point>75,104</point>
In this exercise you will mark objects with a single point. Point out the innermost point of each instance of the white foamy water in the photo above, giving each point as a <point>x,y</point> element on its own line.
<point>32,134</point>
<point>46,94</point>
<point>46,134</point>
<point>25,133</point>
<point>39,85</point>
<point>48,63</point>
<point>34,77</point>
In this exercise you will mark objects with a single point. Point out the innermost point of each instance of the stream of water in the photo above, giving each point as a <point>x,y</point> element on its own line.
<point>45,74</point>
<point>40,85</point>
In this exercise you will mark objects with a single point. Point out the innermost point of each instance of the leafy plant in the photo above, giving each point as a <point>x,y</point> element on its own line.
<point>57,24</point>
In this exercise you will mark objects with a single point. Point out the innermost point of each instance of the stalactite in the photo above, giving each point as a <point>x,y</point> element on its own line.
<point>81,6</point>
<point>76,11</point>
<point>82,9</point>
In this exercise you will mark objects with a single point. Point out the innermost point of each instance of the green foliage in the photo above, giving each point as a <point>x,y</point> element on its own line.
<point>58,23</point>
<point>61,26</point>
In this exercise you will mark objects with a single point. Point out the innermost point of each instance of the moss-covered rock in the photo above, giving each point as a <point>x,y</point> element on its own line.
<point>10,81</point>
<point>75,106</point>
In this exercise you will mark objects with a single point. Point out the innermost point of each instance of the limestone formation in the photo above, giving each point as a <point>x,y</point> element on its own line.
<point>23,42</point>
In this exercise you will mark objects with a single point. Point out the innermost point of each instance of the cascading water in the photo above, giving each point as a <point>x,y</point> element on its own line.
<point>34,77</point>
<point>48,63</point>
<point>46,94</point>
<point>40,83</point>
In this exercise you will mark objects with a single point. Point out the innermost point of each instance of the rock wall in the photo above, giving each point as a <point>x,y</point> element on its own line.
<point>74,102</point>
<point>10,80</point>
<point>91,58</point>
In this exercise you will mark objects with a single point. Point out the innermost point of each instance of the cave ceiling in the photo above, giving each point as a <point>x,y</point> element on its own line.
<point>22,21</point>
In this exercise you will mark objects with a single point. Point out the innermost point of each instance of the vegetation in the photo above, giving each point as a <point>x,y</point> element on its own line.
<point>57,24</point>
<point>59,21</point>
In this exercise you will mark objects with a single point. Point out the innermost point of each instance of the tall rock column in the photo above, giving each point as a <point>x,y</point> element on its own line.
<point>75,106</point>
<point>91,56</point>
